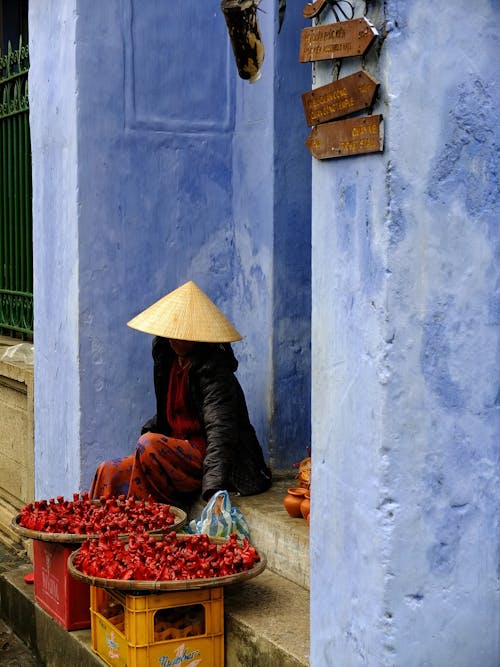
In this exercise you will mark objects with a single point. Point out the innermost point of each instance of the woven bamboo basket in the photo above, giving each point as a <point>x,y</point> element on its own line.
<point>74,538</point>
<point>169,585</point>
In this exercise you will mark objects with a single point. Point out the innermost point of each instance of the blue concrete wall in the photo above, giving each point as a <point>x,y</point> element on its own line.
<point>272,217</point>
<point>292,251</point>
<point>155,131</point>
<point>406,362</point>
<point>172,159</point>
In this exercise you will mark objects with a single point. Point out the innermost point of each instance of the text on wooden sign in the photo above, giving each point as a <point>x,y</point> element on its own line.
<point>352,136</point>
<point>340,98</point>
<point>336,40</point>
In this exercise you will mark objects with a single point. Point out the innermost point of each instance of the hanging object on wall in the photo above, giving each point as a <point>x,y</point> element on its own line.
<point>336,40</point>
<point>340,98</point>
<point>345,8</point>
<point>331,138</point>
<point>244,33</point>
<point>312,9</point>
<point>352,136</point>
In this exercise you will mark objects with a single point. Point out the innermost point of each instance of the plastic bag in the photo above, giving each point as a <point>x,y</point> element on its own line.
<point>220,518</point>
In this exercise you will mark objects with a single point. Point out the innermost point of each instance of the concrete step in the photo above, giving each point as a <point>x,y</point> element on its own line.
<point>267,623</point>
<point>266,618</point>
<point>284,540</point>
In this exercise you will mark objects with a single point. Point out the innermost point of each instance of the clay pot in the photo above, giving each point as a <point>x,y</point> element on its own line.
<point>304,478</point>
<point>293,500</point>
<point>305,505</point>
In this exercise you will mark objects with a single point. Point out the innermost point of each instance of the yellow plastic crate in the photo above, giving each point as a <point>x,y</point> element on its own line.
<point>164,629</point>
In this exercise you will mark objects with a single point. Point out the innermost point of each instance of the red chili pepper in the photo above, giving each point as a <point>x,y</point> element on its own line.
<point>166,558</point>
<point>84,516</point>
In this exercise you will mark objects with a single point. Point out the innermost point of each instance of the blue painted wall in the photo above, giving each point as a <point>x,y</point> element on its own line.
<point>292,250</point>
<point>154,192</point>
<point>406,363</point>
<point>157,166</point>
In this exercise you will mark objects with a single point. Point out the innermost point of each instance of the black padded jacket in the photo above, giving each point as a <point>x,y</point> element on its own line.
<point>234,460</point>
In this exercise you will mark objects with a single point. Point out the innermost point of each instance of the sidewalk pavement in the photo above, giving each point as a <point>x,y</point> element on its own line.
<point>13,653</point>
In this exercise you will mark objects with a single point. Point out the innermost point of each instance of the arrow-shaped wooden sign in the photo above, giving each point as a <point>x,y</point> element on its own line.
<point>340,98</point>
<point>312,9</point>
<point>336,40</point>
<point>352,136</point>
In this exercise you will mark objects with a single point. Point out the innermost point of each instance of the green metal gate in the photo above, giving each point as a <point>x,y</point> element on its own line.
<point>16,254</point>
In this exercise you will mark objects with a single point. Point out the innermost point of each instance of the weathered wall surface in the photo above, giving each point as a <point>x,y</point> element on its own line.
<point>154,164</point>
<point>54,99</point>
<point>406,429</point>
<point>16,435</point>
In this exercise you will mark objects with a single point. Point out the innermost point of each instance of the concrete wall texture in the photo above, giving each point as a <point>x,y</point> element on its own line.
<point>153,164</point>
<point>405,361</point>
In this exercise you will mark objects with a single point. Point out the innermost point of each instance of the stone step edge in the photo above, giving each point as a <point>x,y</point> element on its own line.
<point>258,617</point>
<point>267,620</point>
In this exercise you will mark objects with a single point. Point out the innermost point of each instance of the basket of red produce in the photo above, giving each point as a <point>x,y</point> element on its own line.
<point>73,521</point>
<point>167,562</point>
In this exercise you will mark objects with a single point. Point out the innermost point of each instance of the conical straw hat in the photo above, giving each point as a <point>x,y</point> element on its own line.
<point>186,314</point>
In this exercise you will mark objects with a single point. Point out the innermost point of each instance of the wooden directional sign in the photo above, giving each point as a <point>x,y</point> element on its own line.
<point>312,9</point>
<point>336,40</point>
<point>352,136</point>
<point>340,98</point>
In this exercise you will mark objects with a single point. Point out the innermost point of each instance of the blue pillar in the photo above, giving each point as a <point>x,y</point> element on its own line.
<point>54,144</point>
<point>406,358</point>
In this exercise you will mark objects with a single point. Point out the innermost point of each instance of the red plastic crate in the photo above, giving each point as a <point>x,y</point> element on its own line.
<point>62,596</point>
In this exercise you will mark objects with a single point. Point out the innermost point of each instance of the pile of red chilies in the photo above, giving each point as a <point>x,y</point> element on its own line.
<point>165,558</point>
<point>83,516</point>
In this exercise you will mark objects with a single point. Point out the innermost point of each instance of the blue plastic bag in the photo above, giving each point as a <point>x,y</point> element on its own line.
<point>220,518</point>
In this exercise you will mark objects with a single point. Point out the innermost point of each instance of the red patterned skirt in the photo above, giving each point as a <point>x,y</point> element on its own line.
<point>168,469</point>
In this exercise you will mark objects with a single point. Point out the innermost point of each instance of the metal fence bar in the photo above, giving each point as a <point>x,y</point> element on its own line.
<point>16,255</point>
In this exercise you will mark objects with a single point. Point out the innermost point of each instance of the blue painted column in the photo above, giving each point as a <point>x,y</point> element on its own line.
<point>405,355</point>
<point>53,121</point>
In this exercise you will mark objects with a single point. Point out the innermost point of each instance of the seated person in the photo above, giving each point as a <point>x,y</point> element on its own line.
<point>201,439</point>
